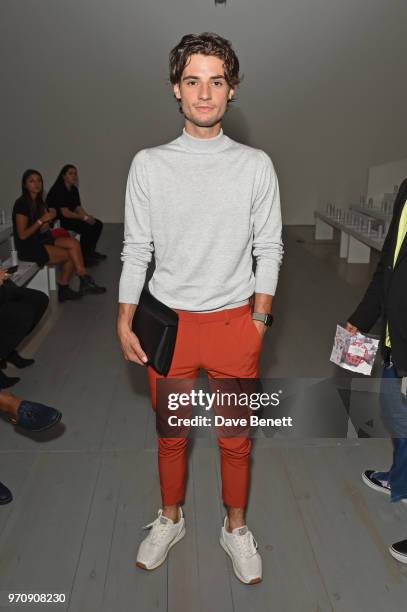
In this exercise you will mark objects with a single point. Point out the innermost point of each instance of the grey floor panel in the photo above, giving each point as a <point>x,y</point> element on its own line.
<point>128,587</point>
<point>183,563</point>
<point>88,587</point>
<point>206,519</point>
<point>345,534</point>
<point>40,543</point>
<point>18,467</point>
<point>130,412</point>
<point>292,577</point>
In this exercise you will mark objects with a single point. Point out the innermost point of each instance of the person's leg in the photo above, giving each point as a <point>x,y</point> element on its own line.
<point>57,255</point>
<point>94,235</point>
<point>231,351</point>
<point>36,301</point>
<point>31,306</point>
<point>394,415</point>
<point>169,527</point>
<point>89,234</point>
<point>172,462</point>
<point>16,321</point>
<point>73,248</point>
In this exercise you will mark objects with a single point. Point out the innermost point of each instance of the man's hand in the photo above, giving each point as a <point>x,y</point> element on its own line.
<point>261,328</point>
<point>129,342</point>
<point>351,328</point>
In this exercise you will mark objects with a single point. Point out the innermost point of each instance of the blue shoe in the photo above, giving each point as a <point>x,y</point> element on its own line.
<point>36,417</point>
<point>5,494</point>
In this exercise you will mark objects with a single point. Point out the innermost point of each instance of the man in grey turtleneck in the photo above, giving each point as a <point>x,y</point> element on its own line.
<point>205,205</point>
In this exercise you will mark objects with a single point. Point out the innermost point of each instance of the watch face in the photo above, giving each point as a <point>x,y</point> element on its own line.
<point>269,320</point>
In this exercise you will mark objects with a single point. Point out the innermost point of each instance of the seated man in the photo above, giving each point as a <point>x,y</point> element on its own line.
<point>20,311</point>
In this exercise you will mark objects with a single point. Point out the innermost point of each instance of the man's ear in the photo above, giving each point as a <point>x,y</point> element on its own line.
<point>231,93</point>
<point>176,90</point>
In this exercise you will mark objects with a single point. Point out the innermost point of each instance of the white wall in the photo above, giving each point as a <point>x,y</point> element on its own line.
<point>384,179</point>
<point>84,82</point>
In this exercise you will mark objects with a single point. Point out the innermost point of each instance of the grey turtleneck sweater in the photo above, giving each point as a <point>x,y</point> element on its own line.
<point>205,207</point>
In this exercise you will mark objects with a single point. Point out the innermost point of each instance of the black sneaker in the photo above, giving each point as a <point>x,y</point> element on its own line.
<point>399,551</point>
<point>88,285</point>
<point>375,483</point>
<point>66,293</point>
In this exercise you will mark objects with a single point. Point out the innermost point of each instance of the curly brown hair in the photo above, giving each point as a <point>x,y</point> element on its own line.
<point>206,43</point>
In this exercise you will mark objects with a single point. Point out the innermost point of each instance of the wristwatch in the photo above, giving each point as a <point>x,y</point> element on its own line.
<point>264,317</point>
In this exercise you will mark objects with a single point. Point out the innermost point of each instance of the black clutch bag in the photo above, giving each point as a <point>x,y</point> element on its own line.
<point>155,325</point>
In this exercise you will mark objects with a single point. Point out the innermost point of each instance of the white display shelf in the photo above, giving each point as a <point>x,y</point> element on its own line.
<point>373,213</point>
<point>355,244</point>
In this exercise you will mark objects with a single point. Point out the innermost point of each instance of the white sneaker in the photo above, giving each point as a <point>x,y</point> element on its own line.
<point>164,533</point>
<point>241,547</point>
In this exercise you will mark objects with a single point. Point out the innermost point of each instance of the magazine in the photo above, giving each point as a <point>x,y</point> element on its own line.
<point>355,352</point>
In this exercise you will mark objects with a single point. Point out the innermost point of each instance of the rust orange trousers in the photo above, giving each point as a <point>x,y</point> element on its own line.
<point>227,345</point>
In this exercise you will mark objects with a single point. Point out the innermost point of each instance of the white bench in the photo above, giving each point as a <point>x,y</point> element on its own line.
<point>355,245</point>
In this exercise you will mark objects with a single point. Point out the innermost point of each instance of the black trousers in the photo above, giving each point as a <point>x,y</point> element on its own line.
<point>89,233</point>
<point>20,311</point>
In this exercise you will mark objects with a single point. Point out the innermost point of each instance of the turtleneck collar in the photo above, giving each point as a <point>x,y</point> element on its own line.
<point>203,145</point>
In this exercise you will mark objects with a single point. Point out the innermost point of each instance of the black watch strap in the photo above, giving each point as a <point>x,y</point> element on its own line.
<point>264,317</point>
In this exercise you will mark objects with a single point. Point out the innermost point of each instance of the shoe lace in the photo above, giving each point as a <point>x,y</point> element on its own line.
<point>159,529</point>
<point>246,544</point>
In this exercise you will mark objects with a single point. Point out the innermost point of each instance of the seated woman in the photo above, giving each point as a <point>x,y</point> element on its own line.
<point>64,197</point>
<point>35,242</point>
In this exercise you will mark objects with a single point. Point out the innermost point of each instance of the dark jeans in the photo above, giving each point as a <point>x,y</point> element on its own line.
<point>20,311</point>
<point>89,233</point>
<point>394,414</point>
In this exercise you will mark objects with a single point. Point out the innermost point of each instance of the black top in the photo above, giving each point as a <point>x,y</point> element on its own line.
<point>386,296</point>
<point>24,206</point>
<point>60,197</point>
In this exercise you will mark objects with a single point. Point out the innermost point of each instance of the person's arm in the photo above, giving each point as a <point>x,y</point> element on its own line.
<point>262,303</point>
<point>24,230</point>
<point>370,308</point>
<point>130,344</point>
<point>267,242</point>
<point>85,215</point>
<point>69,214</point>
<point>136,255</point>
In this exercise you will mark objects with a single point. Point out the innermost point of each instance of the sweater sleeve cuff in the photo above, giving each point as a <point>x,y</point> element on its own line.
<point>265,281</point>
<point>130,287</point>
